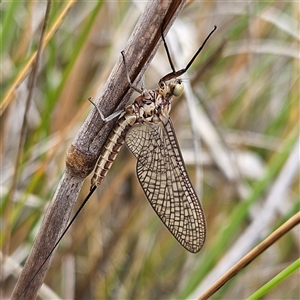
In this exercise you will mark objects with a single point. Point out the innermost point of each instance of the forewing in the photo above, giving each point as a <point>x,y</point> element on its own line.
<point>164,179</point>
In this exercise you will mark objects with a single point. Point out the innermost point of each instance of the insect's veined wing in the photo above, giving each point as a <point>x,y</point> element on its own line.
<point>164,179</point>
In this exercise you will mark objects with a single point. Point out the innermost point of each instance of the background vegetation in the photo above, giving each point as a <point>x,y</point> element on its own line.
<point>244,101</point>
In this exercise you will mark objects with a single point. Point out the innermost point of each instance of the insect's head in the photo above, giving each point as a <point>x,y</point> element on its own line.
<point>174,87</point>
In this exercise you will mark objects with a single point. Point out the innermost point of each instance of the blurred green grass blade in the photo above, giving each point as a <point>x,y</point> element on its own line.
<point>8,25</point>
<point>80,43</point>
<point>65,76</point>
<point>276,280</point>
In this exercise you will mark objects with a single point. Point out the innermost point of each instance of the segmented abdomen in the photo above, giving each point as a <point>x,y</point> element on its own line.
<point>112,147</point>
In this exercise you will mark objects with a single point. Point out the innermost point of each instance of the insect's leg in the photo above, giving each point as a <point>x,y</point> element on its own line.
<point>110,117</point>
<point>127,74</point>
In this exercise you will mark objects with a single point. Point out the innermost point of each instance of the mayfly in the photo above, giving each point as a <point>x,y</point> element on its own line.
<point>147,130</point>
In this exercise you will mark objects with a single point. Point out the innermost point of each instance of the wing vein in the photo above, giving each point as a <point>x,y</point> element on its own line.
<point>164,179</point>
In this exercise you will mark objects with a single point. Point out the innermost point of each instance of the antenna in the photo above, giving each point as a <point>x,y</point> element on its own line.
<point>174,73</point>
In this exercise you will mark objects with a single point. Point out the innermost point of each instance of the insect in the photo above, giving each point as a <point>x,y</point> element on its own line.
<point>147,130</point>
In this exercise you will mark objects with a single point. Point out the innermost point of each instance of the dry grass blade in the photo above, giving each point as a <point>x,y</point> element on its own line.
<point>32,82</point>
<point>269,241</point>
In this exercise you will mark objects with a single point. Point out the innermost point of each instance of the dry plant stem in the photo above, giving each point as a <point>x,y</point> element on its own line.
<point>270,240</point>
<point>86,147</point>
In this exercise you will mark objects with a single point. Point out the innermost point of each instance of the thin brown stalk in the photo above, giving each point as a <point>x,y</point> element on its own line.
<point>259,249</point>
<point>19,156</point>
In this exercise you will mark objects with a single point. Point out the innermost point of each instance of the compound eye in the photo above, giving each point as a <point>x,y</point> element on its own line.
<point>177,89</point>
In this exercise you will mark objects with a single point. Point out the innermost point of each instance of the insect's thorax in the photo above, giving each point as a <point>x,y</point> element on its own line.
<point>153,106</point>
